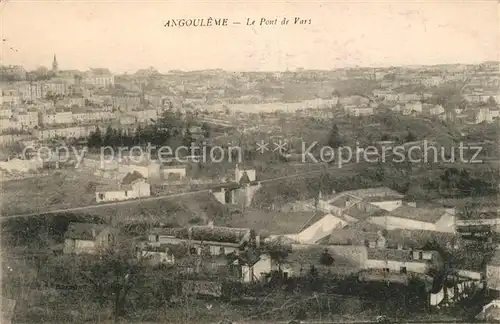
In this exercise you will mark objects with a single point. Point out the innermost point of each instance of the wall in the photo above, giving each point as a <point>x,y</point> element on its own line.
<point>140,189</point>
<point>390,222</point>
<point>158,257</point>
<point>320,229</point>
<point>244,195</point>
<point>179,171</point>
<point>259,269</point>
<point>220,196</point>
<point>446,224</point>
<point>475,275</point>
<point>417,267</point>
<point>79,246</point>
<point>388,205</point>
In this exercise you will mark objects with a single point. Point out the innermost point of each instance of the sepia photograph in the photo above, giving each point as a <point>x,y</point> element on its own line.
<point>249,162</point>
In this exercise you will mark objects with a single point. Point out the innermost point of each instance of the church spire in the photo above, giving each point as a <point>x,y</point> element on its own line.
<point>54,64</point>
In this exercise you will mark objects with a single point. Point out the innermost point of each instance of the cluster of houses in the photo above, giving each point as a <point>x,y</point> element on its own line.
<point>370,233</point>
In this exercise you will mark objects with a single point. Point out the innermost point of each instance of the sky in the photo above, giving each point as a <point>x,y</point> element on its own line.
<point>125,36</point>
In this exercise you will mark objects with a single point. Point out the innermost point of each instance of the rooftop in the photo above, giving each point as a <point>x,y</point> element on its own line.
<point>84,231</point>
<point>131,177</point>
<point>419,214</point>
<point>219,234</point>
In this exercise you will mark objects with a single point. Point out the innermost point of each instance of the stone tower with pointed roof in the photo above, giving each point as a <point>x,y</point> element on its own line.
<point>55,66</point>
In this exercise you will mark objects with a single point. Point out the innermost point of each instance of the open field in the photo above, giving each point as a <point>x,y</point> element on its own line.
<point>61,189</point>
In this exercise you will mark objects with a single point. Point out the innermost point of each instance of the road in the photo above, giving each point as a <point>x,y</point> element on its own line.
<point>182,194</point>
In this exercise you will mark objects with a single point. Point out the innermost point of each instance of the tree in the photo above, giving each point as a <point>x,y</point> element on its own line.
<point>491,101</point>
<point>207,130</point>
<point>113,276</point>
<point>108,136</point>
<point>334,139</point>
<point>95,138</point>
<point>326,258</point>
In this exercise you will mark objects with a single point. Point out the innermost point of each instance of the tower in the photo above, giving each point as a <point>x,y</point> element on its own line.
<point>54,64</point>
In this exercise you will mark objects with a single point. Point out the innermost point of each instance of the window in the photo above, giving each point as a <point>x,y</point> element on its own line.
<point>420,255</point>
<point>101,196</point>
<point>403,270</point>
<point>386,269</point>
<point>125,193</point>
<point>157,238</point>
<point>222,251</point>
<point>192,251</point>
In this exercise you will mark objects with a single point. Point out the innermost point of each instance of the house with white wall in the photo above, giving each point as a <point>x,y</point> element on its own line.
<point>319,229</point>
<point>86,238</point>
<point>401,261</point>
<point>381,197</point>
<point>239,190</point>
<point>173,172</point>
<point>133,186</point>
<point>408,217</point>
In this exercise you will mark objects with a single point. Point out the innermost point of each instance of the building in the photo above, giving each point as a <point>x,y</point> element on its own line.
<point>319,229</point>
<point>379,198</point>
<point>173,172</point>
<point>86,238</point>
<point>493,273</point>
<point>100,78</point>
<point>217,240</point>
<point>207,240</point>
<point>156,254</point>
<point>55,66</point>
<point>240,190</point>
<point>407,217</point>
<point>9,96</point>
<point>63,132</point>
<point>133,186</point>
<point>358,110</point>
<point>401,261</point>
<point>28,119</point>
<point>412,108</point>
<point>31,91</point>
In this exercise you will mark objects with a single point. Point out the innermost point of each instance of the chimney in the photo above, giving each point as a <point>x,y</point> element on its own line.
<point>93,233</point>
<point>257,241</point>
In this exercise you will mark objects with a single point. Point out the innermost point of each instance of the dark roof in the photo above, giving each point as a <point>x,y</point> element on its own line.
<point>84,231</point>
<point>473,228</point>
<point>342,201</point>
<point>363,211</point>
<point>244,179</point>
<point>131,177</point>
<point>389,254</point>
<point>343,256</point>
<point>178,232</point>
<point>417,239</point>
<point>349,237</point>
<point>218,234</point>
<point>374,192</point>
<point>419,214</point>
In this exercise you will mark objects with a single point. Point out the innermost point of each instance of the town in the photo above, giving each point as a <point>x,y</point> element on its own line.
<point>208,239</point>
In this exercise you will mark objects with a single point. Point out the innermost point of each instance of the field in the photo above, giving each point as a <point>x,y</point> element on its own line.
<point>60,189</point>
